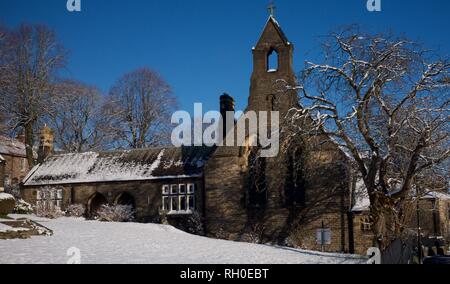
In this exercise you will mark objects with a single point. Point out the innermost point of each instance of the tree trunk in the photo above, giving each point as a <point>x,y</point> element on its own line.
<point>29,142</point>
<point>381,220</point>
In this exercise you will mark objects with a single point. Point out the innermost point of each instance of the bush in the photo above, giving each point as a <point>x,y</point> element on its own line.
<point>116,213</point>
<point>7,204</point>
<point>76,210</point>
<point>255,234</point>
<point>50,213</point>
<point>23,207</point>
<point>194,224</point>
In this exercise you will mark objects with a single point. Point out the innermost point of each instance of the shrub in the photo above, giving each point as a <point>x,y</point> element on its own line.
<point>195,225</point>
<point>254,234</point>
<point>23,207</point>
<point>76,210</point>
<point>116,213</point>
<point>50,213</point>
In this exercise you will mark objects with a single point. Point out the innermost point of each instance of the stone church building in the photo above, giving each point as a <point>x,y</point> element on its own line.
<point>300,198</point>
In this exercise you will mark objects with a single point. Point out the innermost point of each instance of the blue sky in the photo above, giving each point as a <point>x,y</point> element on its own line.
<point>202,48</point>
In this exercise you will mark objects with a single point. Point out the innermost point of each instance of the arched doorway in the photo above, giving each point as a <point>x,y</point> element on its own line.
<point>126,199</point>
<point>95,203</point>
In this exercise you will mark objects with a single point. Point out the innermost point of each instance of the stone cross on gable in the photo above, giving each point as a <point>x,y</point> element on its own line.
<point>272,8</point>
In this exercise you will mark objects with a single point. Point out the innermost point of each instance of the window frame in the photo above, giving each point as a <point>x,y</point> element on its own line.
<point>172,186</point>
<point>182,186</point>
<point>179,199</point>
<point>166,189</point>
<point>366,226</point>
<point>190,188</point>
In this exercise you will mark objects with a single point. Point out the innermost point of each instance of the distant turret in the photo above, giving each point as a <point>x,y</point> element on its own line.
<point>46,145</point>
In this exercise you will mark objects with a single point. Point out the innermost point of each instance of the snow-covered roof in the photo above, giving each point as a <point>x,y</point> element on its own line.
<point>130,165</point>
<point>12,147</point>
<point>362,200</point>
<point>437,195</point>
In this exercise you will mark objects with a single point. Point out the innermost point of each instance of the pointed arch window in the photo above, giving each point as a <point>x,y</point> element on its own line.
<point>295,183</point>
<point>272,60</point>
<point>257,188</point>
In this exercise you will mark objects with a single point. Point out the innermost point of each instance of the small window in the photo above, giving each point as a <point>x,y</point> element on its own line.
<point>7,181</point>
<point>174,189</point>
<point>175,203</point>
<point>183,203</point>
<point>166,189</point>
<point>272,61</point>
<point>182,189</point>
<point>45,205</point>
<point>178,199</point>
<point>22,165</point>
<point>366,225</point>
<point>191,203</point>
<point>166,203</point>
<point>191,188</point>
<point>59,194</point>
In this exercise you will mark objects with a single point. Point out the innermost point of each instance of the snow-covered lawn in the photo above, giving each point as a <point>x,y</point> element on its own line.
<point>149,244</point>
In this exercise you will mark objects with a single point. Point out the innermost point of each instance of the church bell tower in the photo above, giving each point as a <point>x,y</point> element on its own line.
<point>272,71</point>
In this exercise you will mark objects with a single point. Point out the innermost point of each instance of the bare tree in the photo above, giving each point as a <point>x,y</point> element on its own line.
<point>77,119</point>
<point>385,101</point>
<point>140,107</point>
<point>32,56</point>
<point>3,73</point>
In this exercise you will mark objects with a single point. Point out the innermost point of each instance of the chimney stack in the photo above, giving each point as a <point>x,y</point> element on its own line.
<point>226,105</point>
<point>45,143</point>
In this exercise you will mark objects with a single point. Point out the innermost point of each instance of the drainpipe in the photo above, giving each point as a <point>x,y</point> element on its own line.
<point>351,233</point>
<point>350,215</point>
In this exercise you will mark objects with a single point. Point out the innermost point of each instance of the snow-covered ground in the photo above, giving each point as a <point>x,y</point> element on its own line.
<point>129,243</point>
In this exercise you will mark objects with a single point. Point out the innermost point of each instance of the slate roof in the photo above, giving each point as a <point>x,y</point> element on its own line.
<point>129,165</point>
<point>12,147</point>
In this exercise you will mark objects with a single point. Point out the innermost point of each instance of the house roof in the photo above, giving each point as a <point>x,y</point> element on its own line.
<point>12,147</point>
<point>362,199</point>
<point>437,195</point>
<point>116,166</point>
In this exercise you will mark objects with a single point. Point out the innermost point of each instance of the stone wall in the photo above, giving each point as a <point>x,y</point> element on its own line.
<point>434,218</point>
<point>146,194</point>
<point>362,232</point>
<point>16,168</point>
<point>326,200</point>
